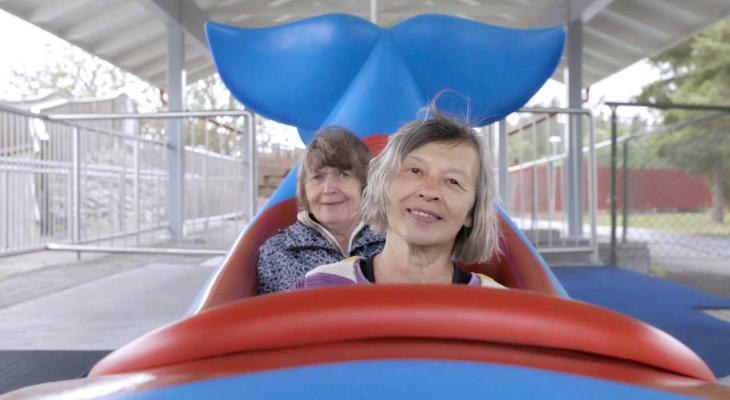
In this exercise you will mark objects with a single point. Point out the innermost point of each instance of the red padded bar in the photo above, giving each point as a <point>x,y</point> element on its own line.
<point>346,314</point>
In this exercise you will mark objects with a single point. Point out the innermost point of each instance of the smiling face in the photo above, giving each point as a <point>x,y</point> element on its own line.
<point>432,196</point>
<point>333,196</point>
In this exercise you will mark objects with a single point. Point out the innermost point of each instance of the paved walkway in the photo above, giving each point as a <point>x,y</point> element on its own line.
<point>99,303</point>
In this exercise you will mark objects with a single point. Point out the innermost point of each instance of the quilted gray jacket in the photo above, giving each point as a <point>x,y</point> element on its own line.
<point>285,257</point>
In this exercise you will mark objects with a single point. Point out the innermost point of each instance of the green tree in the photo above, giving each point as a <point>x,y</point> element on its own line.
<point>697,72</point>
<point>210,93</point>
<point>73,73</point>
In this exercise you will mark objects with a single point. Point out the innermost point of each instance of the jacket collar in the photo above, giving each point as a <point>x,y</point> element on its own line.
<point>307,220</point>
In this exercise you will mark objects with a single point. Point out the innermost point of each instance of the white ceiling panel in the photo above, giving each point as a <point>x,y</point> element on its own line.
<point>131,33</point>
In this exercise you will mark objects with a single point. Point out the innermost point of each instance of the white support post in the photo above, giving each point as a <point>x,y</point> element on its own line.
<point>573,204</point>
<point>175,136</point>
<point>76,190</point>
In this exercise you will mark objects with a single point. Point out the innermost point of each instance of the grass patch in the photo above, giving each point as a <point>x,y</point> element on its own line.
<point>697,223</point>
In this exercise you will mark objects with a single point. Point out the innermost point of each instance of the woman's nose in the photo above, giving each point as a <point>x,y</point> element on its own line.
<point>331,183</point>
<point>429,190</point>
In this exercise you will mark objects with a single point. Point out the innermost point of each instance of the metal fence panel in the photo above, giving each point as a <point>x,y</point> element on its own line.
<point>67,180</point>
<point>537,181</point>
<point>73,179</point>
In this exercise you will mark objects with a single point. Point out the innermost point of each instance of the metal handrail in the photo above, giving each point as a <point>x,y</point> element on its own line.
<point>593,174</point>
<point>153,115</point>
<point>112,171</point>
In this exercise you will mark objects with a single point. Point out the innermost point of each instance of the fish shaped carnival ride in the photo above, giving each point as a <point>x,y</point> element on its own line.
<point>391,341</point>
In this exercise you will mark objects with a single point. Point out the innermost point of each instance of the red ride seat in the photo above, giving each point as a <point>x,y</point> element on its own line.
<point>517,266</point>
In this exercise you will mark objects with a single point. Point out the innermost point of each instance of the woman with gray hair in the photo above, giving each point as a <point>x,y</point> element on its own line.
<point>329,226</point>
<point>431,192</point>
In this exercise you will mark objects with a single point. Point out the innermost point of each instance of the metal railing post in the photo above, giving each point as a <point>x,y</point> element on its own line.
<point>550,183</point>
<point>206,186</point>
<point>522,184</point>
<point>123,190</point>
<point>253,176</point>
<point>136,192</point>
<point>533,183</point>
<point>549,160</point>
<point>6,228</point>
<point>593,187</point>
<point>76,186</point>
<point>614,138</point>
<point>246,171</point>
<point>625,194</point>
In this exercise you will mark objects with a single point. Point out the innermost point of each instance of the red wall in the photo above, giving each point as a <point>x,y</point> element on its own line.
<point>649,189</point>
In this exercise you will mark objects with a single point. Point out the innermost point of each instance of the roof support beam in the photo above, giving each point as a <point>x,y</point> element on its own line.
<point>51,10</point>
<point>574,134</point>
<point>148,31</point>
<point>683,10</point>
<point>587,9</point>
<point>598,69</point>
<point>185,14</point>
<point>642,14</point>
<point>601,40</point>
<point>108,20</point>
<point>269,9</point>
<point>192,64</point>
<point>175,137</point>
<point>155,51</point>
<point>584,10</point>
<point>592,56</point>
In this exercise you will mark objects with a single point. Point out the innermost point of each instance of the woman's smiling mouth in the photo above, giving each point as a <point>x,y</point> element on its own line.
<point>423,216</point>
<point>333,203</point>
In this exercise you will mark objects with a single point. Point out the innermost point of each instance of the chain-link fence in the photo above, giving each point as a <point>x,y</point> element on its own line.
<point>672,189</point>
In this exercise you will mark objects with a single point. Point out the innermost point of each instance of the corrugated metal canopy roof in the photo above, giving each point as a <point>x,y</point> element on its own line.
<point>132,33</point>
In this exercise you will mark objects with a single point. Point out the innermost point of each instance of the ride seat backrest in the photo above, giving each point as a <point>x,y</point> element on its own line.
<point>515,266</point>
<point>237,277</point>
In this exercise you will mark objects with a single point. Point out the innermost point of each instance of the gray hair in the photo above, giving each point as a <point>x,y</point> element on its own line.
<point>474,244</point>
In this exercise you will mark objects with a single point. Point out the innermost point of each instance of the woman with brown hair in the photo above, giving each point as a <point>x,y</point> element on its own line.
<point>331,178</point>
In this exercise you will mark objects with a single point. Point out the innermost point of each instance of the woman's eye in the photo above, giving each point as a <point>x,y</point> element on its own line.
<point>344,174</point>
<point>415,170</point>
<point>317,177</point>
<point>454,182</point>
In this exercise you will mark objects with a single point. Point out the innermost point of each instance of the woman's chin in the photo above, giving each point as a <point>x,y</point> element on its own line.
<point>421,239</point>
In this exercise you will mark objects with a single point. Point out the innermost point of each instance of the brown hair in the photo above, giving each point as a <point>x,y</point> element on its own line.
<point>336,147</point>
